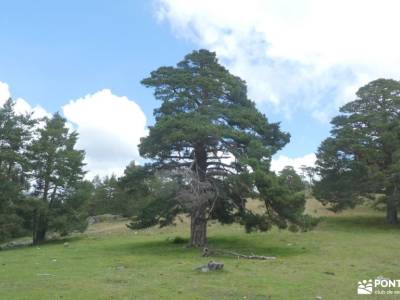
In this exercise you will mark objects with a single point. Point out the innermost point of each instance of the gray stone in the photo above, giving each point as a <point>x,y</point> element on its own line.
<point>211,266</point>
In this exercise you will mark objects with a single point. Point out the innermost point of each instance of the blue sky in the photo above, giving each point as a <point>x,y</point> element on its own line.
<point>84,58</point>
<point>55,51</point>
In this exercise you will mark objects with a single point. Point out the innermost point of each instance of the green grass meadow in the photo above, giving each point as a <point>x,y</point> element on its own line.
<point>110,261</point>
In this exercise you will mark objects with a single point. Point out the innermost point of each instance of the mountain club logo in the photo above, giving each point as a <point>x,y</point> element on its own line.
<point>379,286</point>
<point>365,287</point>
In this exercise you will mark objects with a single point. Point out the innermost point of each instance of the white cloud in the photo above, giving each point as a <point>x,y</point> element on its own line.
<point>110,128</point>
<point>21,106</point>
<point>308,54</point>
<point>321,115</point>
<point>282,161</point>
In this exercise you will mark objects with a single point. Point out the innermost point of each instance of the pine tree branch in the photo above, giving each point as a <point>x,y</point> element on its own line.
<point>209,252</point>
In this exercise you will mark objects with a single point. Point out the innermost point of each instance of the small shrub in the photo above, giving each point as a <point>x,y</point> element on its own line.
<point>308,222</point>
<point>293,228</point>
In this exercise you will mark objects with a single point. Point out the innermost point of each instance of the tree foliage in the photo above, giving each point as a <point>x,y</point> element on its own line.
<point>289,177</point>
<point>40,176</point>
<point>361,159</point>
<point>217,145</point>
<point>57,171</point>
<point>15,135</point>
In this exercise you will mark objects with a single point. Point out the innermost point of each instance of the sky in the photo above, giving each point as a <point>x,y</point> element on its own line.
<point>301,60</point>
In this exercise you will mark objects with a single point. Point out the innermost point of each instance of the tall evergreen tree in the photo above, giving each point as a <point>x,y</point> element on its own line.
<point>57,169</point>
<point>109,197</point>
<point>362,157</point>
<point>289,177</point>
<point>210,133</point>
<point>135,188</point>
<point>15,136</point>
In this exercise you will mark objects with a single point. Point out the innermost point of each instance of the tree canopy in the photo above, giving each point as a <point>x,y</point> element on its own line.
<point>15,136</point>
<point>57,169</point>
<point>361,159</point>
<point>208,133</point>
<point>41,185</point>
<point>289,177</point>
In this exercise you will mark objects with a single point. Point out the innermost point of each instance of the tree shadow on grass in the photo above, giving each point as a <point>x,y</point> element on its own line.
<point>64,239</point>
<point>260,245</point>
<point>16,244</point>
<point>247,246</point>
<point>358,223</point>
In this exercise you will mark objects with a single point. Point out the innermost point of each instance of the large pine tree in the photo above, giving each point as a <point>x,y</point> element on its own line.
<point>361,159</point>
<point>212,135</point>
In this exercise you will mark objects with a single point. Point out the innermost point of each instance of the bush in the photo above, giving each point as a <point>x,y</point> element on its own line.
<point>11,226</point>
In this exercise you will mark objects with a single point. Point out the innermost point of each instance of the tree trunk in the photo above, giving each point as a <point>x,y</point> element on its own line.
<point>391,208</point>
<point>39,236</point>
<point>198,228</point>
<point>53,196</point>
<point>46,190</point>
<point>39,228</point>
<point>198,220</point>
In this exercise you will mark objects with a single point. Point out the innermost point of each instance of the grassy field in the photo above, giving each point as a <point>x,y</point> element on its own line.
<point>112,262</point>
